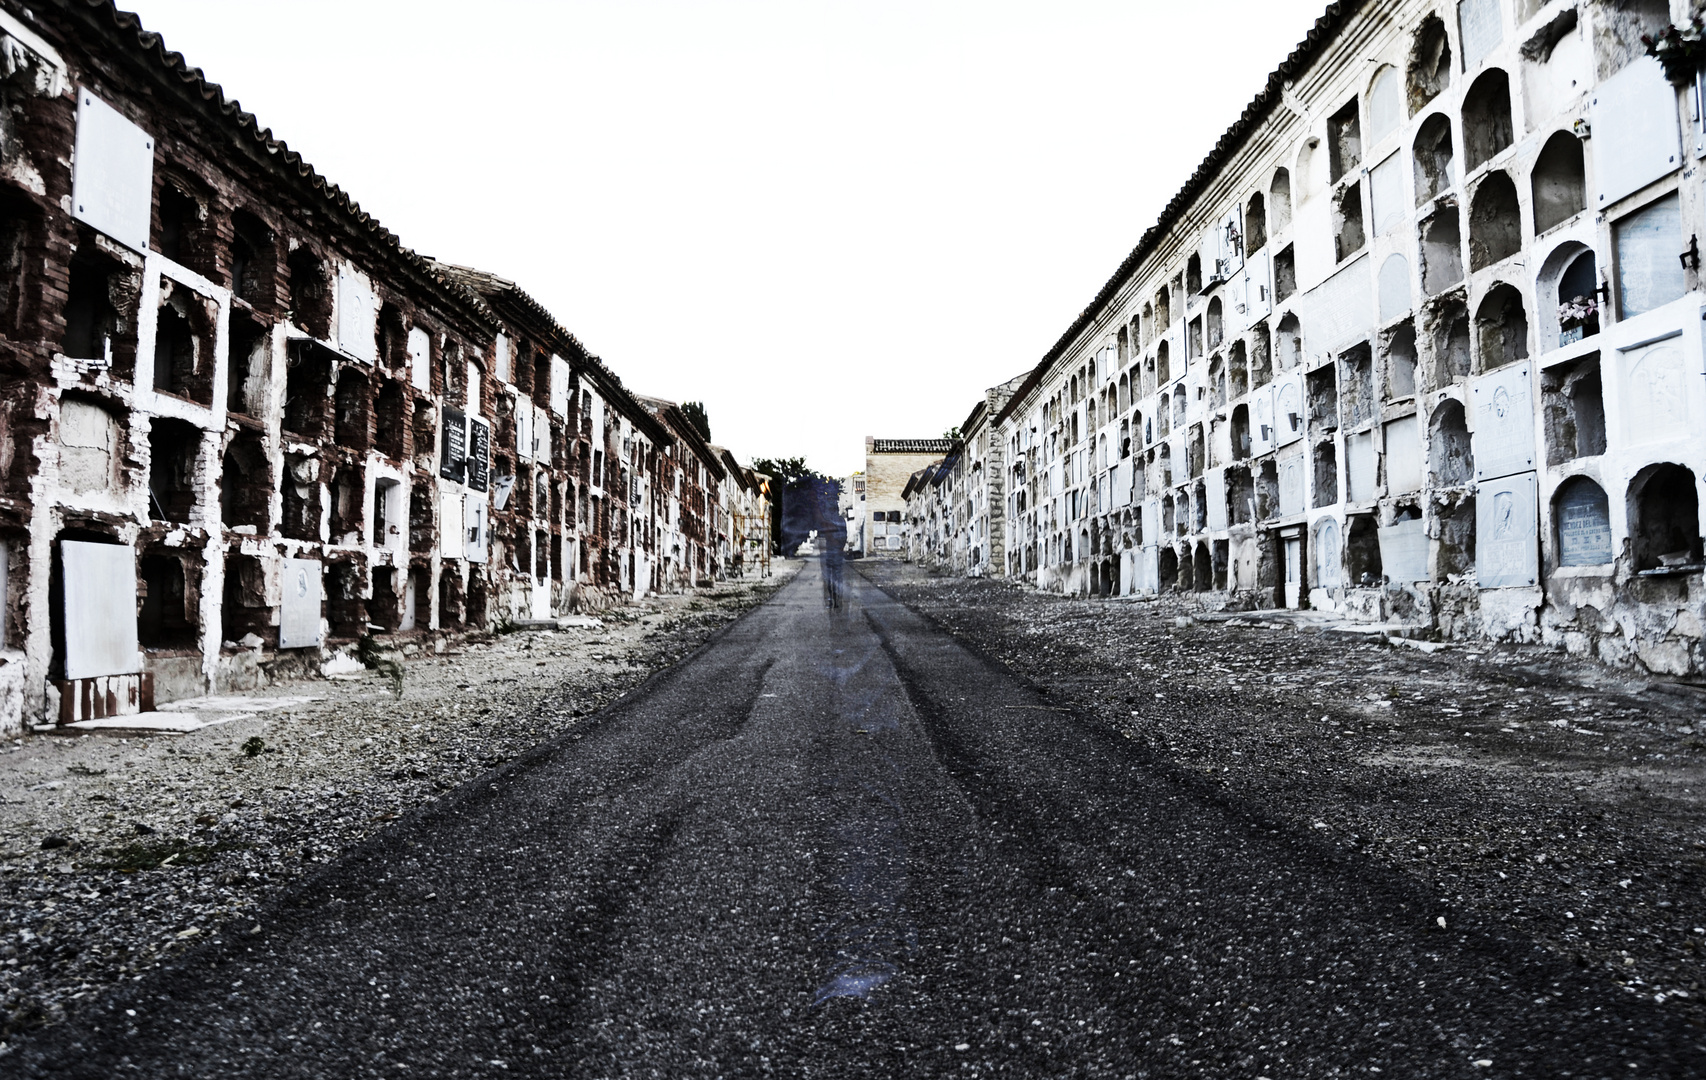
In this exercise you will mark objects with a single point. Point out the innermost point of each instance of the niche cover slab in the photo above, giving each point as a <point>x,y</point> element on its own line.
<point>1507,545</point>
<point>299,614</point>
<point>1504,423</point>
<point>100,609</point>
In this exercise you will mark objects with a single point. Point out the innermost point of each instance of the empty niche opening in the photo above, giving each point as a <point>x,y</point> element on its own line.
<point>1167,569</point>
<point>346,606</point>
<point>1217,382</point>
<point>1261,356</point>
<point>350,409</point>
<point>1325,460</point>
<point>1288,343</point>
<point>1194,446</point>
<point>1559,182</point>
<point>1348,235</point>
<point>1451,461</point>
<point>1240,496</point>
<point>1216,323</point>
<point>1148,326</point>
<point>1164,462</point>
<point>1168,519</point>
<point>391,420</point>
<point>1163,310</point>
<point>1574,403</point>
<point>1501,328</point>
<point>1486,118</point>
<point>1454,537</point>
<point>1664,518</point>
<point>183,345</point>
<point>1193,339</point>
<point>1178,406</point>
<point>245,609</point>
<point>1452,349</point>
<point>449,596</point>
<point>1344,141</point>
<point>1433,156</point>
<point>1356,372</point>
<point>1581,516</point>
<point>245,486</point>
<point>1442,250</point>
<point>386,607</point>
<point>1255,223</point>
<point>1399,350</point>
<point>254,261</point>
<point>1362,552</point>
<point>420,519</point>
<point>1199,507</point>
<point>1202,568</point>
<point>1267,490</point>
<point>1323,393</point>
<point>300,488</point>
<point>1222,562</point>
<point>180,226</point>
<point>1193,274</point>
<point>165,617</point>
<point>1619,26</point>
<point>249,371</point>
<point>310,293</point>
<point>307,379</point>
<point>1279,201</point>
<point>1495,222</point>
<point>425,431</point>
<point>1285,274</point>
<point>1237,371</point>
<point>476,603</point>
<point>541,555</point>
<point>173,446</point>
<point>1429,69</point>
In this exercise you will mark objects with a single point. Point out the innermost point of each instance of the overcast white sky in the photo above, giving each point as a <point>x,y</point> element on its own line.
<point>825,220</point>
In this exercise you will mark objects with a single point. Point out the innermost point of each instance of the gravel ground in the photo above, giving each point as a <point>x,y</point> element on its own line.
<point>118,851</point>
<point>1549,796</point>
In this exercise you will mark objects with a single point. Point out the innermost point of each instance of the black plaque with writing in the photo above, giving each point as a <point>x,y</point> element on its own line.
<point>479,454</point>
<point>455,447</point>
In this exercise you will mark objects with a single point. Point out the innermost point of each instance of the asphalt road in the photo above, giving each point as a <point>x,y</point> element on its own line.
<point>835,843</point>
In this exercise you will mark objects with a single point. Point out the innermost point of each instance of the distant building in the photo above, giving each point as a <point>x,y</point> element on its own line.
<point>889,464</point>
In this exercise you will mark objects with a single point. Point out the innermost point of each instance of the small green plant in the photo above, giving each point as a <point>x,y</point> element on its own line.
<point>159,853</point>
<point>254,746</point>
<point>367,649</point>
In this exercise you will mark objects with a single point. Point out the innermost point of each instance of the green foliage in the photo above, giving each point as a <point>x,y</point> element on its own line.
<point>694,411</point>
<point>785,471</point>
<point>367,649</point>
<point>161,853</point>
<point>254,746</point>
<point>952,434</point>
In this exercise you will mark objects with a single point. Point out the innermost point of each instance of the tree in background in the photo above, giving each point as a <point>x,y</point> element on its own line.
<point>694,411</point>
<point>796,489</point>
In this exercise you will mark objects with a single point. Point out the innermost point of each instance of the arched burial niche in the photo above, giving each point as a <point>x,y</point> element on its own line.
<point>1429,69</point>
<point>1501,328</point>
<point>1486,118</point>
<point>1558,182</point>
<point>254,261</point>
<point>1664,518</point>
<point>1216,323</point>
<point>1167,569</point>
<point>1574,401</point>
<point>1433,158</point>
<point>1288,342</point>
<point>1163,365</point>
<point>1362,552</point>
<point>1451,461</point>
<point>1453,351</point>
<point>1442,251</point>
<point>1581,514</point>
<point>1279,201</point>
<point>1495,222</point>
<point>245,482</point>
<point>1255,223</point>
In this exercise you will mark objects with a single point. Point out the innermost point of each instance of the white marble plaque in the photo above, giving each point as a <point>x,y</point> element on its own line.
<point>1403,456</point>
<point>1214,488</point>
<point>1394,288</point>
<point>1386,198</point>
<point>100,609</point>
<point>1262,433</point>
<point>1481,26</point>
<point>112,183</point>
<point>1329,568</point>
<point>358,311</point>
<point>474,527</point>
<point>1288,408</point>
<point>1503,440</point>
<point>1404,551</point>
<point>1341,310</point>
<point>1291,486</point>
<point>1655,391</point>
<point>299,613</point>
<point>1507,547</point>
<point>1359,466</point>
<point>1636,138</point>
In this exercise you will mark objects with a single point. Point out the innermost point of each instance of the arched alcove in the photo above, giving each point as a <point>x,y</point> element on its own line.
<point>1559,182</point>
<point>1495,221</point>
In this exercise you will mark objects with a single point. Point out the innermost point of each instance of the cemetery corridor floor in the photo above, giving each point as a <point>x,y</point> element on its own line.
<point>837,843</point>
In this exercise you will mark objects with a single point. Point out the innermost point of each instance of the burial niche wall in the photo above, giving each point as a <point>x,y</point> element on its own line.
<point>1558,182</point>
<point>1664,518</point>
<point>1573,401</point>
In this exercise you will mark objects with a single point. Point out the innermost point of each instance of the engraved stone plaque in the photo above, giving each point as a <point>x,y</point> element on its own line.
<point>1503,440</point>
<point>1584,525</point>
<point>1507,548</point>
<point>299,614</point>
<point>1329,572</point>
<point>1404,551</point>
<point>100,609</point>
